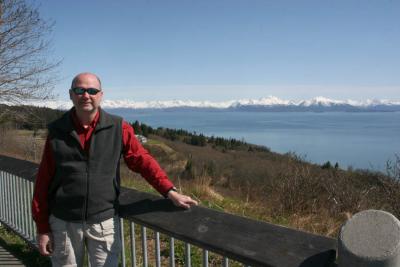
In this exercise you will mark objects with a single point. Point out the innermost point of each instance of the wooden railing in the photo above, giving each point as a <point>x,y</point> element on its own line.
<point>238,240</point>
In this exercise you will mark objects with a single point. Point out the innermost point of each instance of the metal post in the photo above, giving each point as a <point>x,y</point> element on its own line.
<point>31,223</point>
<point>26,211</point>
<point>16,204</point>
<point>172,252</point>
<point>157,244</point>
<point>14,208</point>
<point>11,207</point>
<point>9,204</point>
<point>22,209</point>
<point>15,190</point>
<point>133,244</point>
<point>226,262</point>
<point>205,258</point>
<point>121,233</point>
<point>9,197</point>
<point>188,262</point>
<point>144,246</point>
<point>7,200</point>
<point>29,211</point>
<point>20,206</point>
<point>4,185</point>
<point>2,192</point>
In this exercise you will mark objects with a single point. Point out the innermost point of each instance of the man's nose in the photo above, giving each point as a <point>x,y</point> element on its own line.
<point>85,95</point>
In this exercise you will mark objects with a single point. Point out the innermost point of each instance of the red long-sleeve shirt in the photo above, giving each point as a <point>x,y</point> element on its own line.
<point>136,158</point>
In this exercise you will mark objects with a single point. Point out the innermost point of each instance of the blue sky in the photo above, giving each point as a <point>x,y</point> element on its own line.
<point>229,49</point>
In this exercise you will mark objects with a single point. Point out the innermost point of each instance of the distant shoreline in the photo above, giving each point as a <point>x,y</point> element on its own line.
<point>260,109</point>
<point>267,104</point>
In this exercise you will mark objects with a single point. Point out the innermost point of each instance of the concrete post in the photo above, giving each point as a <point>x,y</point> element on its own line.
<point>371,238</point>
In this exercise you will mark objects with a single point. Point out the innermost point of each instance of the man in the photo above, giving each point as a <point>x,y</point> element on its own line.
<point>76,191</point>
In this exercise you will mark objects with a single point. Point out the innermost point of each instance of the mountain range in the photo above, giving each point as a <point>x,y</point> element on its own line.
<point>271,103</point>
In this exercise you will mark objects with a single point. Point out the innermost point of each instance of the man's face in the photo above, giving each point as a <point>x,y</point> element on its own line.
<point>86,102</point>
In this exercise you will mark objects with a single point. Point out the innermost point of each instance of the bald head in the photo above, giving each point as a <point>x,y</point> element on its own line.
<point>85,103</point>
<point>85,76</point>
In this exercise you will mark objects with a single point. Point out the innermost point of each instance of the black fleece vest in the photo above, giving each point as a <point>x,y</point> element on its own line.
<point>85,186</point>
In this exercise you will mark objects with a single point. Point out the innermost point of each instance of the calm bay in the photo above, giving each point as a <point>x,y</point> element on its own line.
<point>361,140</point>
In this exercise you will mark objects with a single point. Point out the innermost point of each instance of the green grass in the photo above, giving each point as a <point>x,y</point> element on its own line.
<point>154,142</point>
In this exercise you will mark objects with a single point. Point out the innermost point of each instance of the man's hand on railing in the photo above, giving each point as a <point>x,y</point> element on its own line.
<point>180,200</point>
<point>45,244</point>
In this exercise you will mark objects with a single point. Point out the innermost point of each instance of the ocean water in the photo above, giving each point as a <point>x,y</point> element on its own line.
<point>358,140</point>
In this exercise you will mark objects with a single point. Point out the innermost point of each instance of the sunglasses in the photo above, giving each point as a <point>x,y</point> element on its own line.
<point>81,91</point>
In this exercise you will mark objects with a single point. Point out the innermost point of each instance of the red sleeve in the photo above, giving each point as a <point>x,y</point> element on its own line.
<point>139,160</point>
<point>40,211</point>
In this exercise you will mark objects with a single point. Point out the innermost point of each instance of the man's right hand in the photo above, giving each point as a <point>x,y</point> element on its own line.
<point>45,244</point>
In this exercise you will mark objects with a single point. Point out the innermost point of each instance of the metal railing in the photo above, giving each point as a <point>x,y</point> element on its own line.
<point>157,255</point>
<point>144,237</point>
<point>201,237</point>
<point>15,212</point>
<point>15,206</point>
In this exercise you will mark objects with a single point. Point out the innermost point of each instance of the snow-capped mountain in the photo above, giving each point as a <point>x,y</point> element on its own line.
<point>271,103</point>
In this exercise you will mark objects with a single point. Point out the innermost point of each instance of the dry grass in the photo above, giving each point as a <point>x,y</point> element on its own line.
<point>22,144</point>
<point>284,189</point>
<point>266,186</point>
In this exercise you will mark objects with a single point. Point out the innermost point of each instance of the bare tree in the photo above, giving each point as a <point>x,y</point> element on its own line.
<point>26,73</point>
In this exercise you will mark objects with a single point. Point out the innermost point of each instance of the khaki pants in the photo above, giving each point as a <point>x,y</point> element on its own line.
<point>102,242</point>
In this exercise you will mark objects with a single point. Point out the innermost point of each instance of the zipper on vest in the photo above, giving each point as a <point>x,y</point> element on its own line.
<point>85,207</point>
<point>87,155</point>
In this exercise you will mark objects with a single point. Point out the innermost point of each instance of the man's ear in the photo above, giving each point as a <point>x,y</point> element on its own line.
<point>70,94</point>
